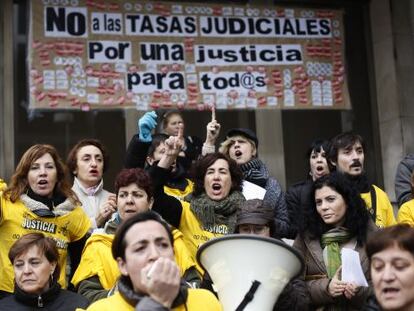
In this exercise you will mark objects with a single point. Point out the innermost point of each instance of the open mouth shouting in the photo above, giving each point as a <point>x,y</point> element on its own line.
<point>216,188</point>
<point>320,170</point>
<point>94,172</point>
<point>42,183</point>
<point>238,154</point>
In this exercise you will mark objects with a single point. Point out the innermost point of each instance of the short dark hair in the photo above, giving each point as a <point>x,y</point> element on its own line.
<point>317,145</point>
<point>401,235</point>
<point>138,176</point>
<point>356,215</point>
<point>119,243</point>
<point>71,160</point>
<point>200,168</point>
<point>46,246</point>
<point>157,139</point>
<point>343,141</point>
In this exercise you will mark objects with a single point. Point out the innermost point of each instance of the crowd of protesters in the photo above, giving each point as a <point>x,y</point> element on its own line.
<point>72,245</point>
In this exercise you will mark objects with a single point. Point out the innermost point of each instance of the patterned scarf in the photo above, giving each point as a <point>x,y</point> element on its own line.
<point>331,240</point>
<point>210,212</point>
<point>41,209</point>
<point>255,171</point>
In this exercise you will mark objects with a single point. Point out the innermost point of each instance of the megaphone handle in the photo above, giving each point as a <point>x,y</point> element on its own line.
<point>249,296</point>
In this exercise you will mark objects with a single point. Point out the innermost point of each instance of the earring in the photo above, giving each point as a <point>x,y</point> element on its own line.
<point>51,277</point>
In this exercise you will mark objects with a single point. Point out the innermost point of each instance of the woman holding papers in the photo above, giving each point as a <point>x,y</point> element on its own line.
<point>241,145</point>
<point>337,220</point>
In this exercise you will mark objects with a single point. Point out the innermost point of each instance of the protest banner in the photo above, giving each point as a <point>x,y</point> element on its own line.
<point>87,54</point>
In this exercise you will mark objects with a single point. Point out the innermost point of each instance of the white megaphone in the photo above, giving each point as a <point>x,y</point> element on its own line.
<point>248,271</point>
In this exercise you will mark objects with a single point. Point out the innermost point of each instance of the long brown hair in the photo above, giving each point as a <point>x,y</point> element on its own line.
<point>19,183</point>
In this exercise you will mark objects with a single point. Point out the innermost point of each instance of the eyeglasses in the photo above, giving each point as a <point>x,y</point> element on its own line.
<point>253,229</point>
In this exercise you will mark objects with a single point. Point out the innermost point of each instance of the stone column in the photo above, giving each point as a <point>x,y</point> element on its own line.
<point>6,90</point>
<point>387,89</point>
<point>269,131</point>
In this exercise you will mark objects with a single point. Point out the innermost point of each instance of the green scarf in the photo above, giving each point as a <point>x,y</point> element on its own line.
<point>210,212</point>
<point>332,239</point>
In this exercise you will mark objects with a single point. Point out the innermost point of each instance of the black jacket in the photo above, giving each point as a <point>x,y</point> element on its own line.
<point>137,152</point>
<point>52,300</point>
<point>299,201</point>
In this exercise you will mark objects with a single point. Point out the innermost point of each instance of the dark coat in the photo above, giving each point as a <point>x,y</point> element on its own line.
<point>317,279</point>
<point>298,201</point>
<point>52,300</point>
<point>403,179</point>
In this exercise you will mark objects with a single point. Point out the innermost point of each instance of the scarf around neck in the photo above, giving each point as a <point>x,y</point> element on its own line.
<point>210,212</point>
<point>331,240</point>
<point>90,191</point>
<point>255,171</point>
<point>360,182</point>
<point>133,298</point>
<point>112,224</point>
<point>45,207</point>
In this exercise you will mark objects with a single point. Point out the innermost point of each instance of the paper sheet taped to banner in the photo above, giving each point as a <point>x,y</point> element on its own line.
<point>87,54</point>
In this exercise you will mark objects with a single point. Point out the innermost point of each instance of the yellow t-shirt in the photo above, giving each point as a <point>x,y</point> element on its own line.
<point>3,184</point>
<point>385,212</point>
<point>180,194</point>
<point>194,233</point>
<point>17,220</point>
<point>198,300</point>
<point>97,259</point>
<point>406,213</point>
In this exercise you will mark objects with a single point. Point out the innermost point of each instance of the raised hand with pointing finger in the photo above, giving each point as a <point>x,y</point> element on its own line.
<point>213,131</point>
<point>173,146</point>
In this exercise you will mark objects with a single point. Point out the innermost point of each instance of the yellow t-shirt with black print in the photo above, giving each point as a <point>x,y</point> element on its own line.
<point>180,194</point>
<point>194,233</point>
<point>17,220</point>
<point>97,259</point>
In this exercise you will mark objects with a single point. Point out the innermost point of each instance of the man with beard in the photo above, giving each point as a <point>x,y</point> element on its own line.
<point>145,151</point>
<point>347,156</point>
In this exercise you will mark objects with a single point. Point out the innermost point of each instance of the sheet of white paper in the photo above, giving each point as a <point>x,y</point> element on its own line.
<point>351,267</point>
<point>252,191</point>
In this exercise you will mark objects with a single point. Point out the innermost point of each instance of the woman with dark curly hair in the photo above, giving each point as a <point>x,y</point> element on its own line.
<point>210,211</point>
<point>337,220</point>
